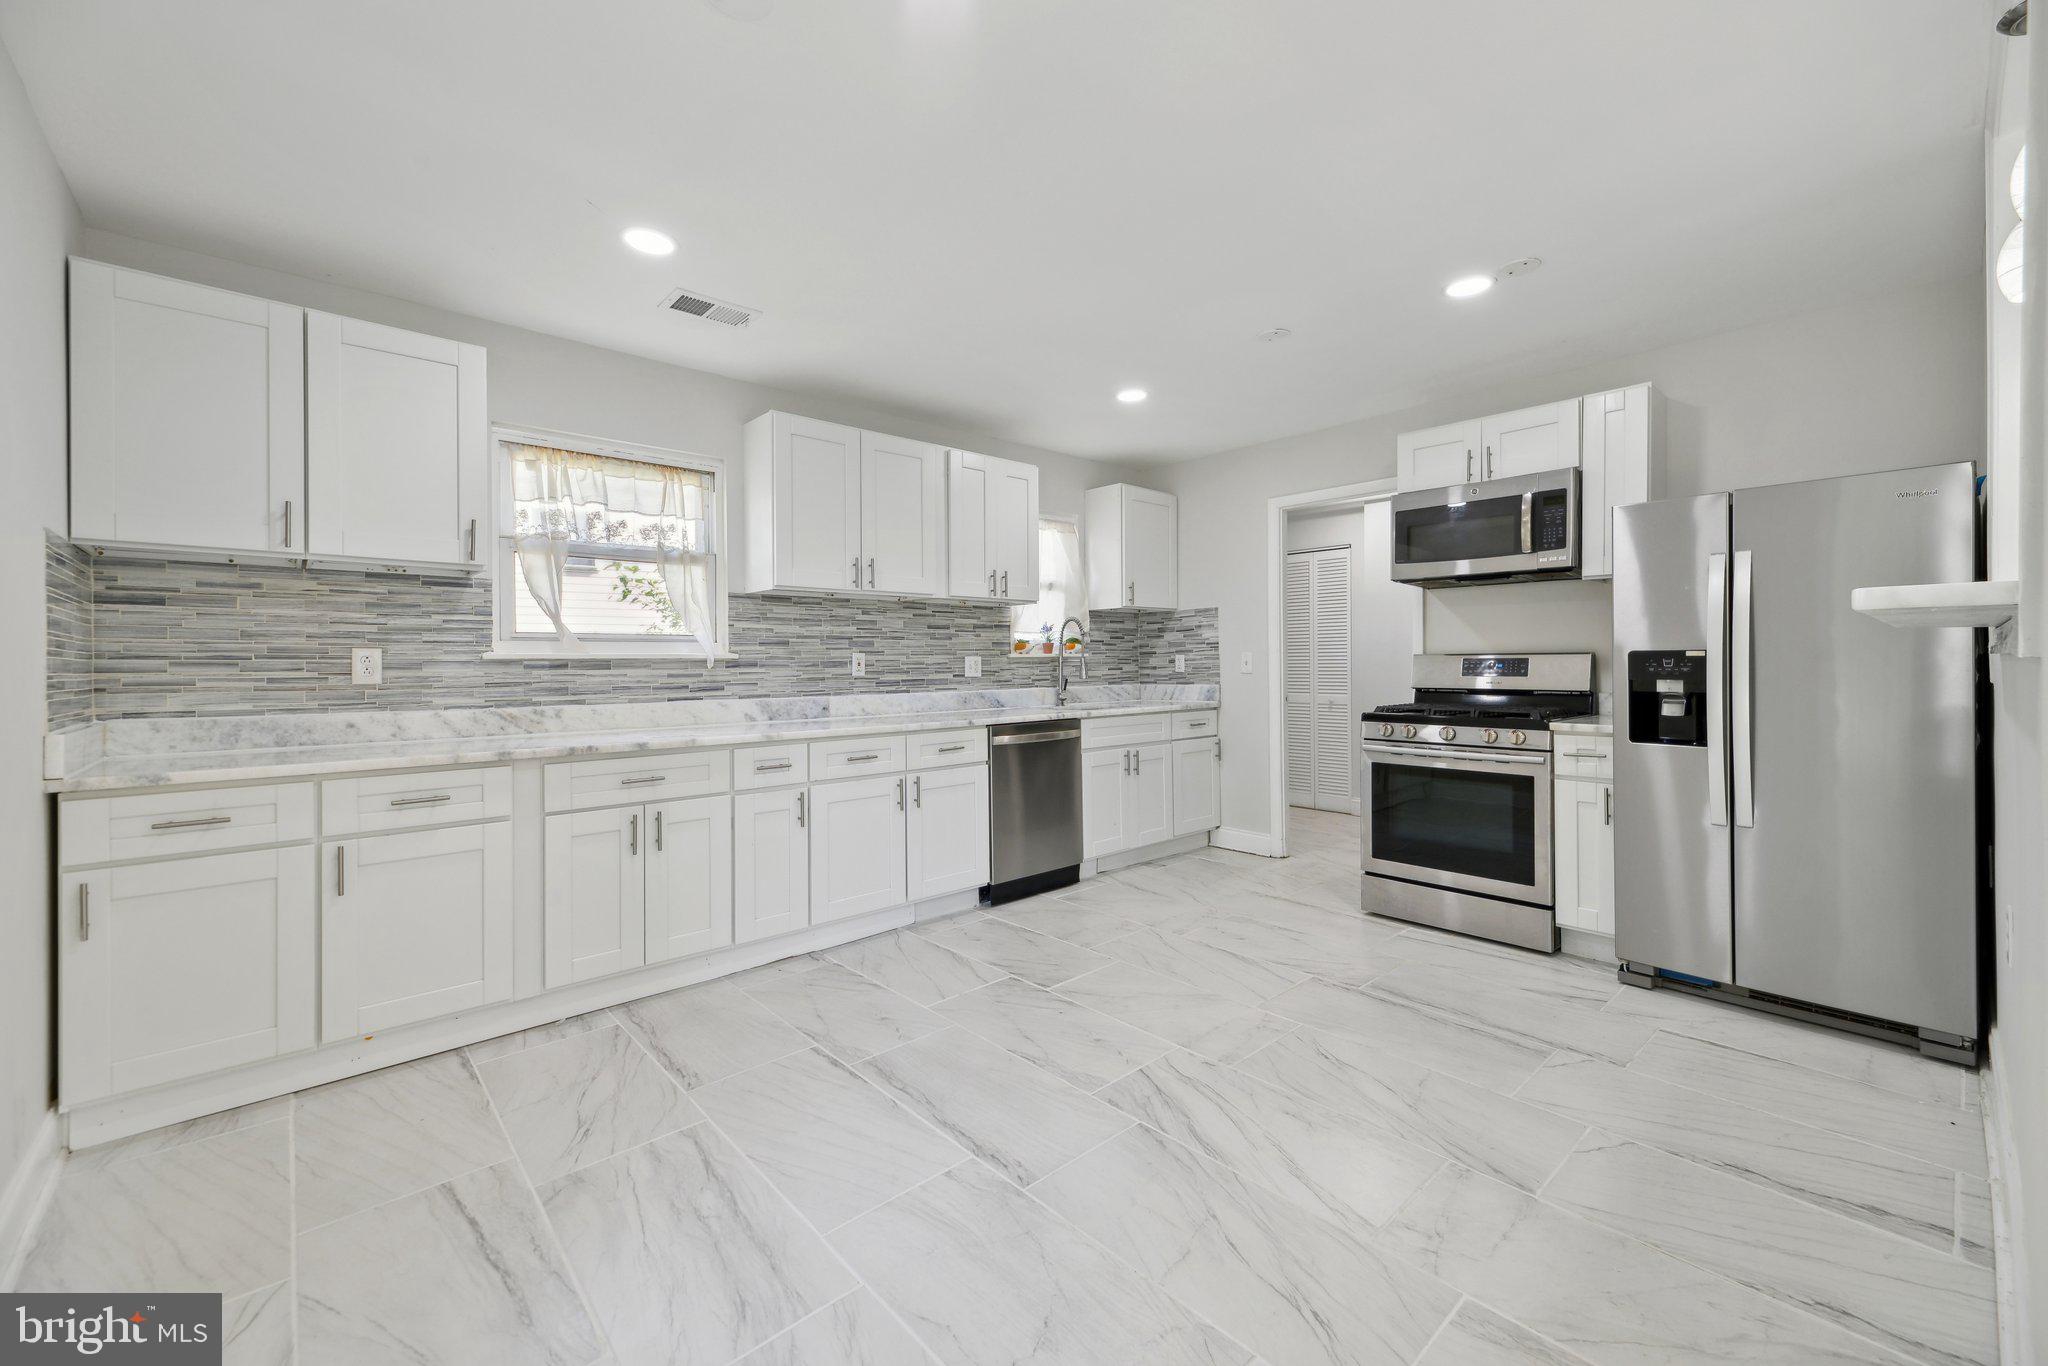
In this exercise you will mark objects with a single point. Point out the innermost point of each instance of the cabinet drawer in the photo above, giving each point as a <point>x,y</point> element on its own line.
<point>407,801</point>
<point>941,748</point>
<point>770,766</point>
<point>1584,756</point>
<point>1193,725</point>
<point>1124,730</point>
<point>156,824</point>
<point>588,783</point>
<point>852,758</point>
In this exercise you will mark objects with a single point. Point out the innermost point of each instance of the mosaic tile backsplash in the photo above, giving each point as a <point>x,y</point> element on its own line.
<point>160,638</point>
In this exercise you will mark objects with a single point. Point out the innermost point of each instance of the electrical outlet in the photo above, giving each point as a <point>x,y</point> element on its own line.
<point>366,665</point>
<point>974,666</point>
<point>1180,664</point>
<point>1244,662</point>
<point>860,664</point>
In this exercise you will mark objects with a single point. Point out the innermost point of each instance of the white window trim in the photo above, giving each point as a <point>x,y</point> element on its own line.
<point>504,569</point>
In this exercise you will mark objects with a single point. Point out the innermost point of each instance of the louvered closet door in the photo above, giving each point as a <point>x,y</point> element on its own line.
<point>1297,631</point>
<point>1336,750</point>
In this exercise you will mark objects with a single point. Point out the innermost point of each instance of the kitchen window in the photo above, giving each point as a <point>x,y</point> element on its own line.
<point>607,550</point>
<point>1061,593</point>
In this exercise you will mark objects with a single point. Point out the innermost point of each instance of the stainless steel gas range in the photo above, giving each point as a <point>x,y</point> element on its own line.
<point>1455,788</point>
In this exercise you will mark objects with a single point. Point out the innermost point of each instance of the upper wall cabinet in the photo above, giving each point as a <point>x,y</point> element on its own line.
<point>1616,468</point>
<point>397,431</point>
<point>1527,441</point>
<point>1130,547</point>
<point>991,528</point>
<point>187,416</point>
<point>835,509</point>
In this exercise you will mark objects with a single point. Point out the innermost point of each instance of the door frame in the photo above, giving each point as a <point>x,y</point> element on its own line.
<point>1278,508</point>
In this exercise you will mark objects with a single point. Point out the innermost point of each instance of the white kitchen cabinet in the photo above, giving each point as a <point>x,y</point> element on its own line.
<point>1437,457</point>
<point>1197,786</point>
<point>992,528</point>
<point>857,847</point>
<point>397,440</point>
<point>1530,440</point>
<point>1126,798</point>
<point>187,416</point>
<point>414,925</point>
<point>1102,800</point>
<point>689,877</point>
<point>1617,468</point>
<point>947,840</point>
<point>835,509</point>
<point>1582,862</point>
<point>594,897</point>
<point>1148,796</point>
<point>903,515</point>
<point>172,969</point>
<point>771,856</point>
<point>1130,547</point>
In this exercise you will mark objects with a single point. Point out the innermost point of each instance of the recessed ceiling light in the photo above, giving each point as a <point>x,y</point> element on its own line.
<point>1130,396</point>
<point>649,241</point>
<point>1469,286</point>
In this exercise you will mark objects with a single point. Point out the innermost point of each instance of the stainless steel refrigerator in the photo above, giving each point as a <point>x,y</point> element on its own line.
<point>1796,784</point>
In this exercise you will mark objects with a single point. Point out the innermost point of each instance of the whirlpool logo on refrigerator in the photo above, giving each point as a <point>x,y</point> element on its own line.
<point>166,1330</point>
<point>1916,493</point>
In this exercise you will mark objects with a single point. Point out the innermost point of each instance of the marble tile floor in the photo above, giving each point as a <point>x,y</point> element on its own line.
<point>1196,1111</point>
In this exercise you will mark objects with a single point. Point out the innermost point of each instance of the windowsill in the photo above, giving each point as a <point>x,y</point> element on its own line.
<point>685,653</point>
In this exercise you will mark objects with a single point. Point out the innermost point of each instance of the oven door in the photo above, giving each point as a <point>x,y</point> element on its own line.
<point>1527,527</point>
<point>1473,822</point>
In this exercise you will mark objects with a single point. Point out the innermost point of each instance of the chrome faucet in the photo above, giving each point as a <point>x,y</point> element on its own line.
<point>1059,687</point>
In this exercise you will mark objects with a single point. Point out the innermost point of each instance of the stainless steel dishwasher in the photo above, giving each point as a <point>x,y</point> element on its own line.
<point>1034,809</point>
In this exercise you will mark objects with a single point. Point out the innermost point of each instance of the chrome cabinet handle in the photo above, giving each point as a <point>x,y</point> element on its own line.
<point>638,782</point>
<point>1468,464</point>
<point>1127,763</point>
<point>472,538</point>
<point>917,791</point>
<point>1487,468</point>
<point>950,749</point>
<point>657,832</point>
<point>1196,725</point>
<point>633,834</point>
<point>799,810</point>
<point>287,521</point>
<point>871,571</point>
<point>862,758</point>
<point>1131,594</point>
<point>422,801</point>
<point>192,823</point>
<point>771,768</point>
<point>1006,583</point>
<point>899,794</point>
<point>1607,806</point>
<point>1137,762</point>
<point>991,583</point>
<point>856,571</point>
<point>341,870</point>
<point>84,911</point>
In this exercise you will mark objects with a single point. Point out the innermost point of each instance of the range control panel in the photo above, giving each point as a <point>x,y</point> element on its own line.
<point>1495,666</point>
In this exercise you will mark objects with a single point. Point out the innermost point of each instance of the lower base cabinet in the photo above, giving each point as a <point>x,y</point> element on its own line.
<point>1582,825</point>
<point>1197,786</point>
<point>857,861</point>
<point>689,877</point>
<point>1126,798</point>
<point>173,969</point>
<point>771,863</point>
<point>633,885</point>
<point>948,830</point>
<point>414,925</point>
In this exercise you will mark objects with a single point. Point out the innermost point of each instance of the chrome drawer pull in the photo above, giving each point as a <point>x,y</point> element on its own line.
<point>917,791</point>
<point>84,911</point>
<point>657,832</point>
<point>636,782</point>
<point>1196,725</point>
<point>341,870</point>
<point>771,768</point>
<point>800,814</point>
<point>633,838</point>
<point>1585,754</point>
<point>423,801</point>
<point>862,758</point>
<point>193,823</point>
<point>950,749</point>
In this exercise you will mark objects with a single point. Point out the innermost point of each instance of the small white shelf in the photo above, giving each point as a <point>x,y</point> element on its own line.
<point>1989,605</point>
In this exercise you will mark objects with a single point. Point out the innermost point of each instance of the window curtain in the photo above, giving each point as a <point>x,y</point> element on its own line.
<point>634,508</point>
<point>1060,590</point>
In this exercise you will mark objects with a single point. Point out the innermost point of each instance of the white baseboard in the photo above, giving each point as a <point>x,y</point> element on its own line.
<point>1242,841</point>
<point>2007,1252</point>
<point>27,1193</point>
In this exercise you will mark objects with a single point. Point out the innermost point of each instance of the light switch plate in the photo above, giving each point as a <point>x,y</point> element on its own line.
<point>366,665</point>
<point>1180,664</point>
<point>1244,662</point>
<point>974,666</point>
<point>860,664</point>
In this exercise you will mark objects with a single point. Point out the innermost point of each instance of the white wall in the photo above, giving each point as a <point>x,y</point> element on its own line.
<point>38,223</point>
<point>1893,381</point>
<point>1382,612</point>
<point>549,382</point>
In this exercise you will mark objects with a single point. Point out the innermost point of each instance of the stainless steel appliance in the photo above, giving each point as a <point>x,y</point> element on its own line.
<point>1034,811</point>
<point>1796,789</point>
<point>1455,786</point>
<point>1499,531</point>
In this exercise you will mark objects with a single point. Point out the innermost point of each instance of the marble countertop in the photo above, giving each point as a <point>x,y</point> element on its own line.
<point>319,745</point>
<point>1584,725</point>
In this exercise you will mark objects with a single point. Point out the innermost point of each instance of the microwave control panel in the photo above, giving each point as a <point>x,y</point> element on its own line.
<point>1550,525</point>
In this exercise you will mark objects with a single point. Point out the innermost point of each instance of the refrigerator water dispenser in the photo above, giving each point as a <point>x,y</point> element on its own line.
<point>1667,697</point>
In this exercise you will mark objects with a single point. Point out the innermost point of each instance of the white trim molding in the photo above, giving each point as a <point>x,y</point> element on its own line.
<point>1243,841</point>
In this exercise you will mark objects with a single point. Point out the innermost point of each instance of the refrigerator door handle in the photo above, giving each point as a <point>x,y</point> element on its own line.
<point>1742,691</point>
<point>1717,692</point>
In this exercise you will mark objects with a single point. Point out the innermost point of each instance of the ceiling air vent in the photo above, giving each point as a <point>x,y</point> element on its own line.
<point>711,310</point>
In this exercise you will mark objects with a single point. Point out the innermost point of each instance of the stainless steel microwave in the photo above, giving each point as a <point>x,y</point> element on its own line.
<point>1502,530</point>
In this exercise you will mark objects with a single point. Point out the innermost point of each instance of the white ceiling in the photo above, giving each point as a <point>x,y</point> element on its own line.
<point>1001,211</point>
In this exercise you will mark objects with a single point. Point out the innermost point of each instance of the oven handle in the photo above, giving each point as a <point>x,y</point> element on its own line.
<point>1526,759</point>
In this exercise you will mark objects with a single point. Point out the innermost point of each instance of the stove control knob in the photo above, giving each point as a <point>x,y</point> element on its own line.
<point>1492,736</point>
<point>1446,733</point>
<point>1386,731</point>
<point>1408,732</point>
<point>1516,737</point>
